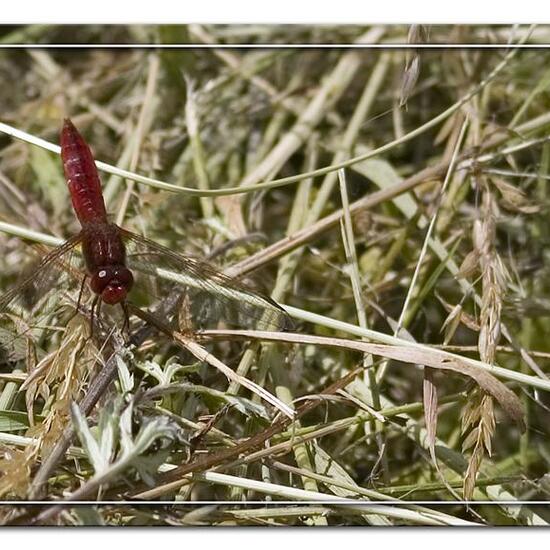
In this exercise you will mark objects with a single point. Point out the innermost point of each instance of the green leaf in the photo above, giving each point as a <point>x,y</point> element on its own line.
<point>98,461</point>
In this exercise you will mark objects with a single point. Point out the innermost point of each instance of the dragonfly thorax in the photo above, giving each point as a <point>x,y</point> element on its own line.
<point>105,256</point>
<point>112,283</point>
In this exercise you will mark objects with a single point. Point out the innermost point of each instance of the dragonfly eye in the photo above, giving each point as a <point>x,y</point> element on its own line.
<point>124,276</point>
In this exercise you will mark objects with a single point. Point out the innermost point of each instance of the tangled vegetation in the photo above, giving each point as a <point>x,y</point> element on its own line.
<point>392,200</point>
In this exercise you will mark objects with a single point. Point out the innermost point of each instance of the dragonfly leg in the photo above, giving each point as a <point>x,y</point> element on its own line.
<point>80,292</point>
<point>78,301</point>
<point>126,324</point>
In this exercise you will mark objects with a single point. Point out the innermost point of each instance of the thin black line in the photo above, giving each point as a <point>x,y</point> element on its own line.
<point>279,46</point>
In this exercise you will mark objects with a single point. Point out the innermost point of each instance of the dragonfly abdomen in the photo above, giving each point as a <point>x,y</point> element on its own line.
<point>81,175</point>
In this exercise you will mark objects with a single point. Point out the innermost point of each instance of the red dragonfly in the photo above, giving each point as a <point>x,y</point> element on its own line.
<point>116,260</point>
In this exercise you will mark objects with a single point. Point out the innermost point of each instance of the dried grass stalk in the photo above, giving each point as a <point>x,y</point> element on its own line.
<point>478,416</point>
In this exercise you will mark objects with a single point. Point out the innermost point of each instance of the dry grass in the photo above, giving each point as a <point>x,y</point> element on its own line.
<point>394,200</point>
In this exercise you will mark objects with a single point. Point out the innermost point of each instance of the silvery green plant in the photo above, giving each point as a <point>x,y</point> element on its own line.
<point>111,446</point>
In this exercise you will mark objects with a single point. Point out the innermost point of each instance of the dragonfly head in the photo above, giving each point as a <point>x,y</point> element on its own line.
<point>112,283</point>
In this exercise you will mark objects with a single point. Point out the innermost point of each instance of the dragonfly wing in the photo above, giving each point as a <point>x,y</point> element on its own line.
<point>30,302</point>
<point>208,297</point>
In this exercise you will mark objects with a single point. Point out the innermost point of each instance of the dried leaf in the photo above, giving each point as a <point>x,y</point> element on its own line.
<point>409,79</point>
<point>465,318</point>
<point>470,440</point>
<point>470,415</point>
<point>451,323</point>
<point>471,473</point>
<point>430,410</point>
<point>487,441</point>
<point>469,265</point>
<point>514,198</point>
<point>417,34</point>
